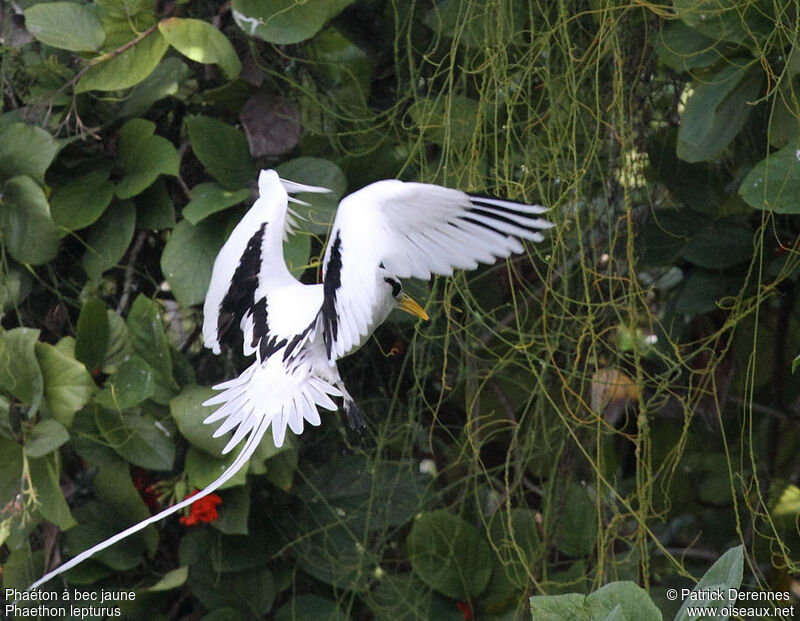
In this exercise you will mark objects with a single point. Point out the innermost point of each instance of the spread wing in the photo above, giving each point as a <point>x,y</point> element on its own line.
<point>249,266</point>
<point>411,230</point>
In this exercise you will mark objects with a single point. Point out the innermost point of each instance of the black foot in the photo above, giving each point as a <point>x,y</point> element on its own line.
<point>354,416</point>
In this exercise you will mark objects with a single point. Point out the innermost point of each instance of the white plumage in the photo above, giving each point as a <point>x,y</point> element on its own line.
<point>384,232</point>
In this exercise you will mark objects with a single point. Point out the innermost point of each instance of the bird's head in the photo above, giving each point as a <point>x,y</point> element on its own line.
<point>403,301</point>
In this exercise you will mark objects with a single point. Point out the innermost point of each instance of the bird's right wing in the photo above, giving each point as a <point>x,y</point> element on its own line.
<point>411,230</point>
<point>249,266</point>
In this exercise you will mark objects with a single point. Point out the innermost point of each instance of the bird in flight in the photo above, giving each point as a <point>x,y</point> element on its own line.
<point>387,231</point>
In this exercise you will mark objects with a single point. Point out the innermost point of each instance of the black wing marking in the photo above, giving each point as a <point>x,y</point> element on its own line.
<point>331,284</point>
<point>240,297</point>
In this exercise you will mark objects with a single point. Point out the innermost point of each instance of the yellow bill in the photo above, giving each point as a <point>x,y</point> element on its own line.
<point>408,304</point>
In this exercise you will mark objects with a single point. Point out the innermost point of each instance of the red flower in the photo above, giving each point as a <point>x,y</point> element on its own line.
<point>465,610</point>
<point>142,481</point>
<point>203,510</point>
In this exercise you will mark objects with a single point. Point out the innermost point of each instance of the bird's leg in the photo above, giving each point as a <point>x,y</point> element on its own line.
<point>355,418</point>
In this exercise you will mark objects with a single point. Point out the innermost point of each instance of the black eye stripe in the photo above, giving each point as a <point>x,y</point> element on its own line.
<point>396,288</point>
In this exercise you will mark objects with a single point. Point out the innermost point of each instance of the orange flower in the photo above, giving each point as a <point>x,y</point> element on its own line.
<point>203,510</point>
<point>465,610</point>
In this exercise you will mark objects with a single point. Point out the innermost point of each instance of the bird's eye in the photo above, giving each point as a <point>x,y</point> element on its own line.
<point>395,284</point>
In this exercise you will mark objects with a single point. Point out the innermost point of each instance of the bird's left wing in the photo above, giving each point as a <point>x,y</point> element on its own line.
<point>411,230</point>
<point>250,265</point>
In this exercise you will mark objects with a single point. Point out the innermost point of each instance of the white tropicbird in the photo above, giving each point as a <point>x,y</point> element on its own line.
<point>384,232</point>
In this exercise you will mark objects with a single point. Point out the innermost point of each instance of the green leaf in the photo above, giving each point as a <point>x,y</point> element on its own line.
<point>52,504</point>
<point>319,172</point>
<point>148,337</point>
<point>20,374</point>
<point>67,384</point>
<point>126,69</point>
<point>296,252</point>
<point>98,521</point>
<point>66,25</point>
<point>209,198</point>
<point>164,81</point>
<point>617,601</point>
<point>716,111</point>
<point>28,232</point>
<point>344,67</point>
<point>577,522</point>
<point>143,156</point>
<point>137,438</point>
<point>285,21</point>
<point>201,42</point>
<point>189,413</point>
<point>108,239</point>
<point>154,208</point>
<point>449,555</point>
<point>726,573</point>
<point>223,150</point>
<point>188,259</point>
<point>131,384</point>
<point>119,343</point>
<point>234,511</point>
<point>10,470</point>
<point>310,608</point>
<point>720,245</point>
<point>774,183</point>
<point>171,580</point>
<point>92,334</point>
<point>46,437</point>
<point>728,20</point>
<point>82,201</point>
<point>202,469</point>
<point>251,592</point>
<point>15,285</point>
<point>26,150</point>
<point>683,48</point>
<point>113,486</point>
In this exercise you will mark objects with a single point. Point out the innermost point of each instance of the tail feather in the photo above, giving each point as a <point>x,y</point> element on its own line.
<point>284,393</point>
<point>236,465</point>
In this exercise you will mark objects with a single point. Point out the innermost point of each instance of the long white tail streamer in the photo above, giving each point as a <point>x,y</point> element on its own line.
<point>241,459</point>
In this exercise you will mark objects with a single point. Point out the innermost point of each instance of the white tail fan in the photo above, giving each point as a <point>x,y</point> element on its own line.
<point>241,459</point>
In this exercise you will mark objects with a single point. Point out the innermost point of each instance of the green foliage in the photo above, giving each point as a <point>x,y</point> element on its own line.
<point>573,433</point>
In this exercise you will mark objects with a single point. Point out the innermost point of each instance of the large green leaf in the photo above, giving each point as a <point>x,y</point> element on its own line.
<point>577,522</point>
<point>617,601</point>
<point>209,198</point>
<point>143,156</point>
<point>726,575</point>
<point>188,411</point>
<point>310,608</point>
<point>285,21</point>
<point>136,438</point>
<point>92,334</point>
<point>66,25</point>
<point>10,470</point>
<point>130,384</point>
<point>728,20</point>
<point>15,285</point>
<point>202,469</point>
<point>683,48</point>
<point>128,68</point>
<point>27,231</point>
<point>720,244</point>
<point>25,150</point>
<point>188,259</point>
<point>108,239</point>
<point>322,207</point>
<point>201,42</point>
<point>449,555</point>
<point>20,374</point>
<point>250,592</point>
<point>222,149</point>
<point>148,337</point>
<point>716,110</point>
<point>774,183</point>
<point>67,384</point>
<point>452,121</point>
<point>82,201</point>
<point>46,436</point>
<point>52,504</point>
<point>154,208</point>
<point>113,486</point>
<point>164,81</point>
